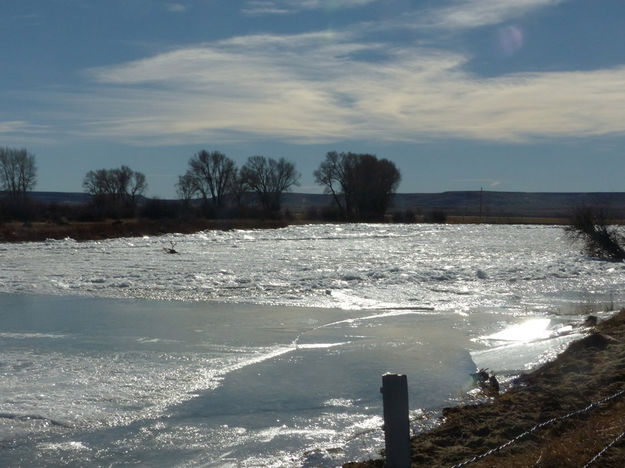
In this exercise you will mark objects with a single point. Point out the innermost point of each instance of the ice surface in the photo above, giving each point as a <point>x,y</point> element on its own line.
<point>265,348</point>
<point>447,267</point>
<point>165,383</point>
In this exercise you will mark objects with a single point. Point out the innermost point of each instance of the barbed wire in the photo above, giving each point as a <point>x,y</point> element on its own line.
<point>605,449</point>
<point>543,424</point>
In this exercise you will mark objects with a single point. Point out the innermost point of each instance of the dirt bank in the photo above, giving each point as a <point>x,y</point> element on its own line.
<point>590,370</point>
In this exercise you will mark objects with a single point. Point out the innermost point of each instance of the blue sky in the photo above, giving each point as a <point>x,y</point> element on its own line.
<point>514,95</point>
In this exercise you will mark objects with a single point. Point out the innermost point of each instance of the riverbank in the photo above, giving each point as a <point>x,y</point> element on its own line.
<point>134,227</point>
<point>589,371</point>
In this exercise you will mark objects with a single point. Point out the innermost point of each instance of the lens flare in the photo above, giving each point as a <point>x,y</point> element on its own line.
<point>510,39</point>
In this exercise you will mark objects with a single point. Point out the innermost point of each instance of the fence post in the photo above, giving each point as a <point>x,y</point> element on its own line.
<point>396,422</point>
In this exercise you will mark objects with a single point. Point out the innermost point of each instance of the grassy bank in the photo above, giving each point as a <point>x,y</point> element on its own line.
<point>590,370</point>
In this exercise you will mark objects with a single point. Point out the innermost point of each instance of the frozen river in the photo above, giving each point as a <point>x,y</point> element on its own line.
<point>265,348</point>
<point>516,269</point>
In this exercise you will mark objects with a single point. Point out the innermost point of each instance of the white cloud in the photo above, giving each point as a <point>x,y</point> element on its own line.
<point>282,7</point>
<point>447,14</point>
<point>20,133</point>
<point>11,126</point>
<point>261,8</point>
<point>313,88</point>
<point>19,127</point>
<point>467,14</point>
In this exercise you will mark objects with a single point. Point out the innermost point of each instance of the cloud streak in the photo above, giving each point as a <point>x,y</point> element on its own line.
<point>446,15</point>
<point>467,14</point>
<point>284,7</point>
<point>20,127</point>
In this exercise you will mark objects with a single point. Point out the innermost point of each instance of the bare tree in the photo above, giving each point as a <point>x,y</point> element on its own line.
<point>211,175</point>
<point>18,172</point>
<point>98,183</point>
<point>114,187</point>
<point>127,184</point>
<point>237,189</point>
<point>331,174</point>
<point>269,179</point>
<point>600,239</point>
<point>185,188</point>
<point>361,185</point>
<point>136,185</point>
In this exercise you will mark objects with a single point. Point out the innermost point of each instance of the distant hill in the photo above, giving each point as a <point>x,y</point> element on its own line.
<point>460,203</point>
<point>60,197</point>
<point>469,203</point>
<point>522,204</point>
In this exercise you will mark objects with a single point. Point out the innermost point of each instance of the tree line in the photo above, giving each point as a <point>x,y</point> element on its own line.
<point>115,191</point>
<point>361,186</point>
<point>215,178</point>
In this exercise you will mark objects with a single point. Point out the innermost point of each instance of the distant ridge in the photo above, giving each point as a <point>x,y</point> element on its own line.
<point>59,197</point>
<point>501,204</point>
<point>455,203</point>
<point>515,204</point>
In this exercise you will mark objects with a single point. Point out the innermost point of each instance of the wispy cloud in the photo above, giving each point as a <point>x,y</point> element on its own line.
<point>23,133</point>
<point>176,7</point>
<point>14,127</point>
<point>325,87</point>
<point>283,7</point>
<point>460,14</point>
<point>446,14</point>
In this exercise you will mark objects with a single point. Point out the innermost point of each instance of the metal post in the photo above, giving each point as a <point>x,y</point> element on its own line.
<point>396,423</point>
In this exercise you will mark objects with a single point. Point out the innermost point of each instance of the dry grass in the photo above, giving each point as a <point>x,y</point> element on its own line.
<point>570,444</point>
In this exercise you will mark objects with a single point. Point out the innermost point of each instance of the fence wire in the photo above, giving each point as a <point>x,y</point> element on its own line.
<point>547,423</point>
<point>605,449</point>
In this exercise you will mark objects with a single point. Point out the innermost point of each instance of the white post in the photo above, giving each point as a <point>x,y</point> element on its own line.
<point>396,422</point>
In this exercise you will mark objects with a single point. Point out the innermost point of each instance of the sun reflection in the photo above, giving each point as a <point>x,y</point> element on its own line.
<point>530,330</point>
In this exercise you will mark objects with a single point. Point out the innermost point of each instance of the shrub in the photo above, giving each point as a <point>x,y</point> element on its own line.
<point>407,216</point>
<point>155,208</point>
<point>600,239</point>
<point>436,216</point>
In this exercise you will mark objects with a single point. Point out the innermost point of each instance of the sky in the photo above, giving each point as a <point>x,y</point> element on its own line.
<point>508,95</point>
